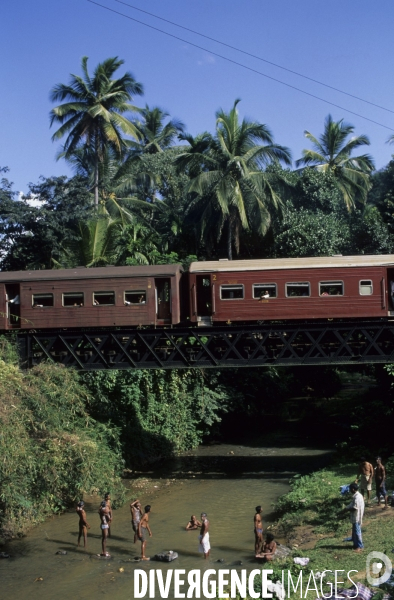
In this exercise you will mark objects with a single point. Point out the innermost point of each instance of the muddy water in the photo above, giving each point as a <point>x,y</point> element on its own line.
<point>225,481</point>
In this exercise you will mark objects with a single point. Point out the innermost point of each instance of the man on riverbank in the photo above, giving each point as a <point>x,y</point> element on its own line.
<point>205,546</point>
<point>364,477</point>
<point>356,512</point>
<point>258,530</point>
<point>380,480</point>
<point>143,531</point>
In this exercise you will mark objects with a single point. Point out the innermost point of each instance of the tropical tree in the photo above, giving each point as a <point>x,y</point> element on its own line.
<point>155,134</point>
<point>96,243</point>
<point>233,191</point>
<point>332,153</point>
<point>93,116</point>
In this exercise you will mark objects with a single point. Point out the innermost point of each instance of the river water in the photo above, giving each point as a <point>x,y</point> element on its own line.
<point>226,481</point>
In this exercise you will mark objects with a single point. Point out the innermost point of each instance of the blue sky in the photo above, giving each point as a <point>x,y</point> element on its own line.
<point>345,44</point>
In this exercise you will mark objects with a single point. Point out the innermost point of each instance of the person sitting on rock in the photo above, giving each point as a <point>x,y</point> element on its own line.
<point>269,548</point>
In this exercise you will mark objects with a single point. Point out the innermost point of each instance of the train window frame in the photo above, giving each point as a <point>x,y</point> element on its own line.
<point>264,286</point>
<point>95,302</point>
<point>365,283</point>
<point>134,293</point>
<point>228,286</point>
<point>298,283</point>
<point>36,303</point>
<point>79,295</point>
<point>327,284</point>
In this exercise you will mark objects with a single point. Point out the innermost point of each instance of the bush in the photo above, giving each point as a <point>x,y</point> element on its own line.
<point>51,450</point>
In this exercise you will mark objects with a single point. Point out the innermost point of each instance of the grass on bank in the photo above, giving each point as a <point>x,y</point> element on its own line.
<point>315,501</point>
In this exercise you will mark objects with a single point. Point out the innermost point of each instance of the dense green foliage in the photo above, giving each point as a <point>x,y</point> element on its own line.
<point>51,450</point>
<point>159,413</point>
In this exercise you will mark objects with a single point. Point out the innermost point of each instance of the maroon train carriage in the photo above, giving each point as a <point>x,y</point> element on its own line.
<point>291,288</point>
<point>94,297</point>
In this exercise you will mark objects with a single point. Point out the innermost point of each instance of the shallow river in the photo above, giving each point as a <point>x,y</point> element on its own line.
<point>226,481</point>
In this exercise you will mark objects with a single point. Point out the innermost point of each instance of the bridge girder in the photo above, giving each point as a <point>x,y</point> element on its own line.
<point>281,344</point>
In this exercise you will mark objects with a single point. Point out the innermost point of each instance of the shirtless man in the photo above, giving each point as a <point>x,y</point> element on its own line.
<point>194,523</point>
<point>107,499</point>
<point>258,530</point>
<point>365,475</point>
<point>136,514</point>
<point>83,524</point>
<point>143,530</point>
<point>104,518</point>
<point>205,546</point>
<point>269,548</point>
<point>380,480</point>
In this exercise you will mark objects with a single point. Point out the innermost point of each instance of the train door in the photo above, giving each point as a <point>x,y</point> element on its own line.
<point>13,306</point>
<point>204,295</point>
<point>390,286</point>
<point>163,299</point>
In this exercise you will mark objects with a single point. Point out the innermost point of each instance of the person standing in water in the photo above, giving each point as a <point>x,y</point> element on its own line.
<point>83,524</point>
<point>194,523</point>
<point>104,518</point>
<point>136,514</point>
<point>143,530</point>
<point>107,499</point>
<point>205,546</point>
<point>258,530</point>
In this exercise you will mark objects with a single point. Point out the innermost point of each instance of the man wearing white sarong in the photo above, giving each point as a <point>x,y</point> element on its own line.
<point>205,546</point>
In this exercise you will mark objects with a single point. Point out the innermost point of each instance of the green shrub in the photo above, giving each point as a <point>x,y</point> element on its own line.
<point>51,450</point>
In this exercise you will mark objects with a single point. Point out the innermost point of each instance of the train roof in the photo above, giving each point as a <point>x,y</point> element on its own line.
<point>270,264</point>
<point>91,273</point>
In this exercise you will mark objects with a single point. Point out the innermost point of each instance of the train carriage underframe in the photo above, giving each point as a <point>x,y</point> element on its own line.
<point>280,344</point>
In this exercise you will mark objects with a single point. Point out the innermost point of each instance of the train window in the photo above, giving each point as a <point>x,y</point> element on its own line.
<point>73,299</point>
<point>264,290</point>
<point>298,289</point>
<point>42,300</point>
<point>135,297</point>
<point>103,298</point>
<point>231,292</point>
<point>331,288</point>
<point>366,288</point>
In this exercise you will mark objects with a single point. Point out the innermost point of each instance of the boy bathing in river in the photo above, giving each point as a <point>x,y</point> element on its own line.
<point>143,530</point>
<point>269,548</point>
<point>258,530</point>
<point>194,523</point>
<point>83,524</point>
<point>136,514</point>
<point>205,545</point>
<point>104,519</point>
<point>107,499</point>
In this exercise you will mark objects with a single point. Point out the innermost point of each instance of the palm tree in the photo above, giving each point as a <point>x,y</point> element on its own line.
<point>93,116</point>
<point>96,244</point>
<point>332,152</point>
<point>155,135</point>
<point>233,190</point>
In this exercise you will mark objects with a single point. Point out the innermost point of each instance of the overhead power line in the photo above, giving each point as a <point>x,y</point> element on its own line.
<point>269,62</point>
<point>230,60</point>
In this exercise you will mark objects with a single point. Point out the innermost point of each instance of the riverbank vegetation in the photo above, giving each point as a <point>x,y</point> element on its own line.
<point>52,450</point>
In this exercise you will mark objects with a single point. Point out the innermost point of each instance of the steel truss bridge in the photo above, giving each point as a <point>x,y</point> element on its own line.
<point>345,342</point>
